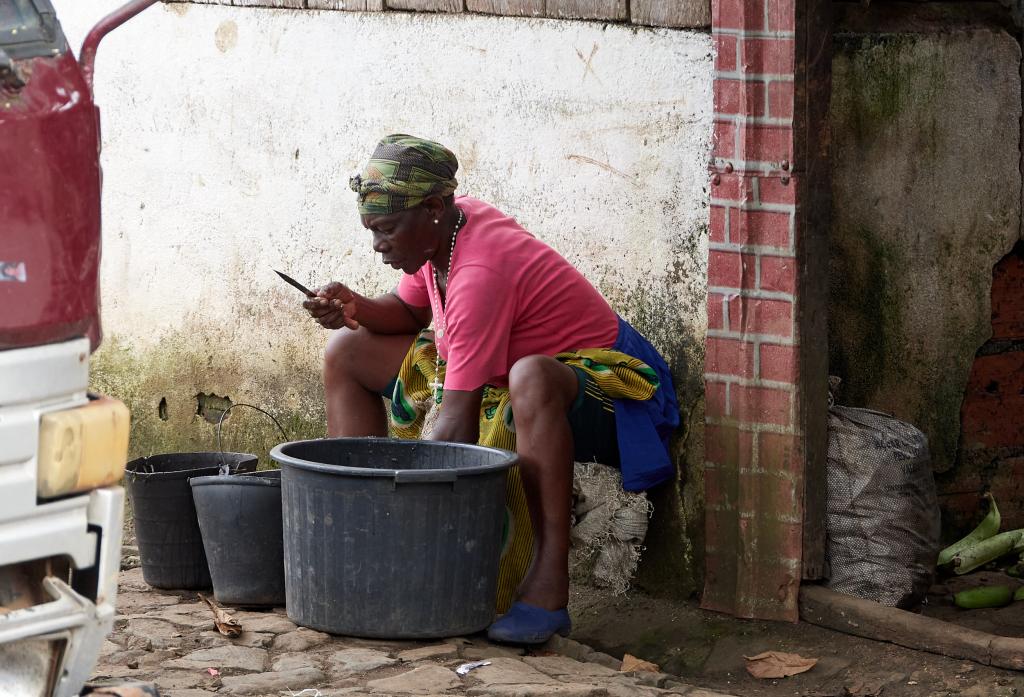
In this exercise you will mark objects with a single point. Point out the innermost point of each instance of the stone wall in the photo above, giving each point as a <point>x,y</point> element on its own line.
<point>229,134</point>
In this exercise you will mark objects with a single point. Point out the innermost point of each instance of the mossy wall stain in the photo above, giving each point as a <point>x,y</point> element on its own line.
<point>671,312</point>
<point>866,274</point>
<point>160,383</point>
<point>884,66</point>
<point>926,199</point>
<point>142,381</point>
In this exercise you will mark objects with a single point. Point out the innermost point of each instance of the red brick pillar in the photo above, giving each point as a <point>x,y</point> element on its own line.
<point>757,407</point>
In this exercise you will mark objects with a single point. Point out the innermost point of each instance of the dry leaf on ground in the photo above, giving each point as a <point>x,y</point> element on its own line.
<point>632,663</point>
<point>226,624</point>
<point>776,664</point>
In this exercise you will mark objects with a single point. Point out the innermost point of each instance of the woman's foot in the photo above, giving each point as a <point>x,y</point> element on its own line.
<point>528,624</point>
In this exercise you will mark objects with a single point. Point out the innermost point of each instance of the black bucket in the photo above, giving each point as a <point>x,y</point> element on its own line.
<point>166,530</point>
<point>240,518</point>
<point>392,539</point>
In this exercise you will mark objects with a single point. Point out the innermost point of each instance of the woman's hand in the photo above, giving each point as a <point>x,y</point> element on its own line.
<point>333,307</point>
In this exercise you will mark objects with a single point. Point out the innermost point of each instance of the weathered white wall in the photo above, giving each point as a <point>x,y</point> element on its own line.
<point>229,135</point>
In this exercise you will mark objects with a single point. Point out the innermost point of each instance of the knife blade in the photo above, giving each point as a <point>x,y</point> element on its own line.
<point>295,284</point>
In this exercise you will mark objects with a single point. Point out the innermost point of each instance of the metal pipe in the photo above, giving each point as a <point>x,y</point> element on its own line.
<point>87,56</point>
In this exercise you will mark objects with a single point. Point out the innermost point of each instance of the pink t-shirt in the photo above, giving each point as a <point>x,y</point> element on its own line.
<point>509,296</point>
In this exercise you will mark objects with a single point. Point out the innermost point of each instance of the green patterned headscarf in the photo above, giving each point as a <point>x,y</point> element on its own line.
<point>403,171</point>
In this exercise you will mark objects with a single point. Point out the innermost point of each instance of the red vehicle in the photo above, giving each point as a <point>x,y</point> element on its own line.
<point>62,450</point>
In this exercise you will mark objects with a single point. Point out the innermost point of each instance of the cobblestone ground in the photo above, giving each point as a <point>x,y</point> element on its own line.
<point>169,639</point>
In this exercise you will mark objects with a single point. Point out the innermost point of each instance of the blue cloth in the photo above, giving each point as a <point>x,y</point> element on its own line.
<point>644,428</point>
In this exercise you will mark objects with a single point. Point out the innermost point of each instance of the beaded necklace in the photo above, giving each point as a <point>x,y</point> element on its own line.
<point>440,321</point>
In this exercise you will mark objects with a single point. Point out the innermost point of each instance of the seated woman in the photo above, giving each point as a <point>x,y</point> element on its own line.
<point>516,326</point>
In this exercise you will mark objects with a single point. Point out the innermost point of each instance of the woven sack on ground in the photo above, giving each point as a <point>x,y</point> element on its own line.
<point>882,508</point>
<point>608,530</point>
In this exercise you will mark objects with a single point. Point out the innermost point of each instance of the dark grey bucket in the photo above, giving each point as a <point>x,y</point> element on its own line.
<point>240,518</point>
<point>166,529</point>
<point>392,539</point>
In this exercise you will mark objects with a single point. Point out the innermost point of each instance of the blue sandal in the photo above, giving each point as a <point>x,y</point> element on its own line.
<point>528,624</point>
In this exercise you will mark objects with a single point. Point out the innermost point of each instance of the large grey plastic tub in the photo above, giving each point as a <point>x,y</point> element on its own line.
<point>392,539</point>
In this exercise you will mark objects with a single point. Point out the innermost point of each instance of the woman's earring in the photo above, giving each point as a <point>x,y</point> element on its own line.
<point>436,221</point>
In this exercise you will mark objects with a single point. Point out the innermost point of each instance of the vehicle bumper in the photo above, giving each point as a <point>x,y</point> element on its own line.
<point>75,621</point>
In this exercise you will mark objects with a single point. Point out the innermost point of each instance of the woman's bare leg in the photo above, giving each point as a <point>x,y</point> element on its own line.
<point>358,364</point>
<point>542,390</point>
